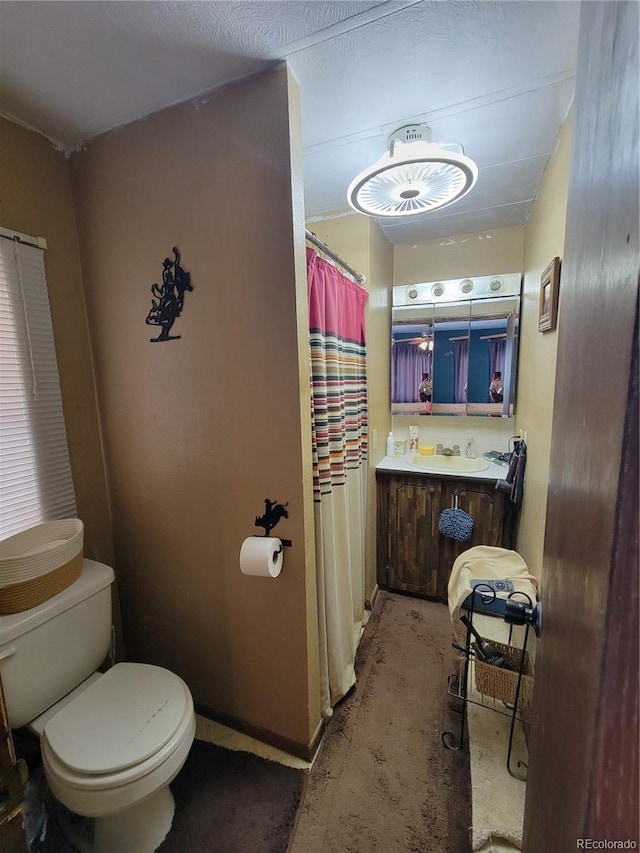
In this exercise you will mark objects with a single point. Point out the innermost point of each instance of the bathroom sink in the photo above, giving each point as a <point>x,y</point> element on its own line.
<point>448,464</point>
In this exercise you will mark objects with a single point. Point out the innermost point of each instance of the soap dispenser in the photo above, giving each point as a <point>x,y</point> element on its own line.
<point>391,448</point>
<point>470,450</point>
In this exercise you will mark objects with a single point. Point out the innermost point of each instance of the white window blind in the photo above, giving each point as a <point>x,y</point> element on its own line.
<point>35,473</point>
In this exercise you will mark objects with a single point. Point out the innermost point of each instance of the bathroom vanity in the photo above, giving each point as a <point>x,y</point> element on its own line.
<point>413,556</point>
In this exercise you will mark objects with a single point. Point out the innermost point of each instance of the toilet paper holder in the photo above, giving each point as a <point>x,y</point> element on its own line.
<point>273,512</point>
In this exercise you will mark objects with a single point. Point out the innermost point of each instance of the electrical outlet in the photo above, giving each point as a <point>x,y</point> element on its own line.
<point>375,438</point>
<point>523,435</point>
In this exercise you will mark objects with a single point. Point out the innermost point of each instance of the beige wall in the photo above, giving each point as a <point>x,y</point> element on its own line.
<point>348,236</point>
<point>36,199</point>
<point>379,372</point>
<point>199,431</point>
<point>544,239</point>
<point>481,253</point>
<point>360,242</point>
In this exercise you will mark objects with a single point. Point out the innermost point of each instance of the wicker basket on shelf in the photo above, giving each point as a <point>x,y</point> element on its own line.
<point>38,563</point>
<point>501,683</point>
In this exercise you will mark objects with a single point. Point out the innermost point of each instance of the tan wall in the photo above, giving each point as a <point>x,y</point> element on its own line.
<point>379,371</point>
<point>360,242</point>
<point>544,239</point>
<point>482,253</point>
<point>304,386</point>
<point>35,198</point>
<point>199,431</point>
<point>348,236</point>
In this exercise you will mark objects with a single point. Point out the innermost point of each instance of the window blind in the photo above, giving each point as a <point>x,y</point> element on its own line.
<point>35,473</point>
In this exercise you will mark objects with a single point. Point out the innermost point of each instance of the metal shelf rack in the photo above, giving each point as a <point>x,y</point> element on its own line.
<point>513,610</point>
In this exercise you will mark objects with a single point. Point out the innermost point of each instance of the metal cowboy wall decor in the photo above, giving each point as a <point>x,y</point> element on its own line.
<point>168,301</point>
<point>273,512</point>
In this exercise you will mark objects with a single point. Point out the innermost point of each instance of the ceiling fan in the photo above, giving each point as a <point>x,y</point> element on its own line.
<point>425,342</point>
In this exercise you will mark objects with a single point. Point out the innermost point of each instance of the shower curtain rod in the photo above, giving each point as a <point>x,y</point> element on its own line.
<point>311,237</point>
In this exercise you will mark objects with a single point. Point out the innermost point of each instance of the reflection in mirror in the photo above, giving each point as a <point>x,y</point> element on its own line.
<point>429,359</point>
<point>412,358</point>
<point>493,347</point>
<point>454,347</point>
<point>451,358</point>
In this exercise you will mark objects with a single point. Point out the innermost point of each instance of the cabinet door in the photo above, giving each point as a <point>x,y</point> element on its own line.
<point>414,509</point>
<point>485,505</point>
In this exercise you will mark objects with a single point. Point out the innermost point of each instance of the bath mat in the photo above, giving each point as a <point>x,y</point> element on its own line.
<point>232,802</point>
<point>497,798</point>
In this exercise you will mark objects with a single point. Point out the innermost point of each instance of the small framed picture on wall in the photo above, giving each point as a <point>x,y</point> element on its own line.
<point>549,284</point>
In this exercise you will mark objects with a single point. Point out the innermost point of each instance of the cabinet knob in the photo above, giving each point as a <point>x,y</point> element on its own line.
<point>432,490</point>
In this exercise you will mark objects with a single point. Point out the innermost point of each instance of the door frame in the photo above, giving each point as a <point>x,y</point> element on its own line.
<point>583,759</point>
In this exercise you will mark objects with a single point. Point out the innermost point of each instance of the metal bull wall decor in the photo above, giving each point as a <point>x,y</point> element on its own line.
<point>168,299</point>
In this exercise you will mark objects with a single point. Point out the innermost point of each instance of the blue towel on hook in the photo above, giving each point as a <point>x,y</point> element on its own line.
<point>456,524</point>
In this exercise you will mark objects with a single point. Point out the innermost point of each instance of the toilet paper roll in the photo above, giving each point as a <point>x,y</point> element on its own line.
<point>261,555</point>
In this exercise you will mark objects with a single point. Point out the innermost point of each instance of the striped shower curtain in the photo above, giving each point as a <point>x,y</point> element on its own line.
<point>339,444</point>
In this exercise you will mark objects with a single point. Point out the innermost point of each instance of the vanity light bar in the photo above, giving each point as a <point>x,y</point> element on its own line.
<point>458,289</point>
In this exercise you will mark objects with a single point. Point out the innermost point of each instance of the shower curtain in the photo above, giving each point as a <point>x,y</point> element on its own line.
<point>461,370</point>
<point>408,363</point>
<point>497,353</point>
<point>339,445</point>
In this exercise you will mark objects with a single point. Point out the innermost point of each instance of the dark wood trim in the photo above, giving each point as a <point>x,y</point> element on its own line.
<point>583,758</point>
<point>300,750</point>
<point>614,796</point>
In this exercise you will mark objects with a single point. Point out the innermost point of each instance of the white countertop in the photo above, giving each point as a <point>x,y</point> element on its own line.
<point>399,464</point>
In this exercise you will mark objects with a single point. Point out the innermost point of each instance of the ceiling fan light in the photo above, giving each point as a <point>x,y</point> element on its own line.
<point>411,178</point>
<point>426,344</point>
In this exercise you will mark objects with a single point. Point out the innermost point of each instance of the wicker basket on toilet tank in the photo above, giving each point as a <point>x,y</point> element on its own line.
<point>38,563</point>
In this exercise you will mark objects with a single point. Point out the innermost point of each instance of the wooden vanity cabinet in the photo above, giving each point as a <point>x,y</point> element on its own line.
<point>408,512</point>
<point>413,556</point>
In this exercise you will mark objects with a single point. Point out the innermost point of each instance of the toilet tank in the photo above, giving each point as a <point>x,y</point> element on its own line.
<point>47,651</point>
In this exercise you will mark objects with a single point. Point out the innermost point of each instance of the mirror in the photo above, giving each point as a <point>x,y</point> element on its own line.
<point>455,346</point>
<point>493,355</point>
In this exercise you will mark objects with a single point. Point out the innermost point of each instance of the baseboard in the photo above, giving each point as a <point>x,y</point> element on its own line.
<point>370,603</point>
<point>317,737</point>
<point>293,747</point>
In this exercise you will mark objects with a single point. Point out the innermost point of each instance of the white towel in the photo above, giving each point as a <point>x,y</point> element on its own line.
<point>488,563</point>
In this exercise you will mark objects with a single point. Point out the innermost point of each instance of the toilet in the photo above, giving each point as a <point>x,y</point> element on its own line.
<point>111,742</point>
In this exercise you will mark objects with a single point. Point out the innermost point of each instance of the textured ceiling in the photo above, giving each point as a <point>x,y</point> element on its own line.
<point>496,77</point>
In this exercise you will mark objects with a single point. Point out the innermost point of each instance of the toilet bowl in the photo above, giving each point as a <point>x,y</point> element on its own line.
<point>110,743</point>
<point>111,753</point>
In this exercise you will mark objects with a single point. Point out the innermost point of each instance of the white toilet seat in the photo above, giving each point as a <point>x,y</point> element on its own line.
<point>96,767</point>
